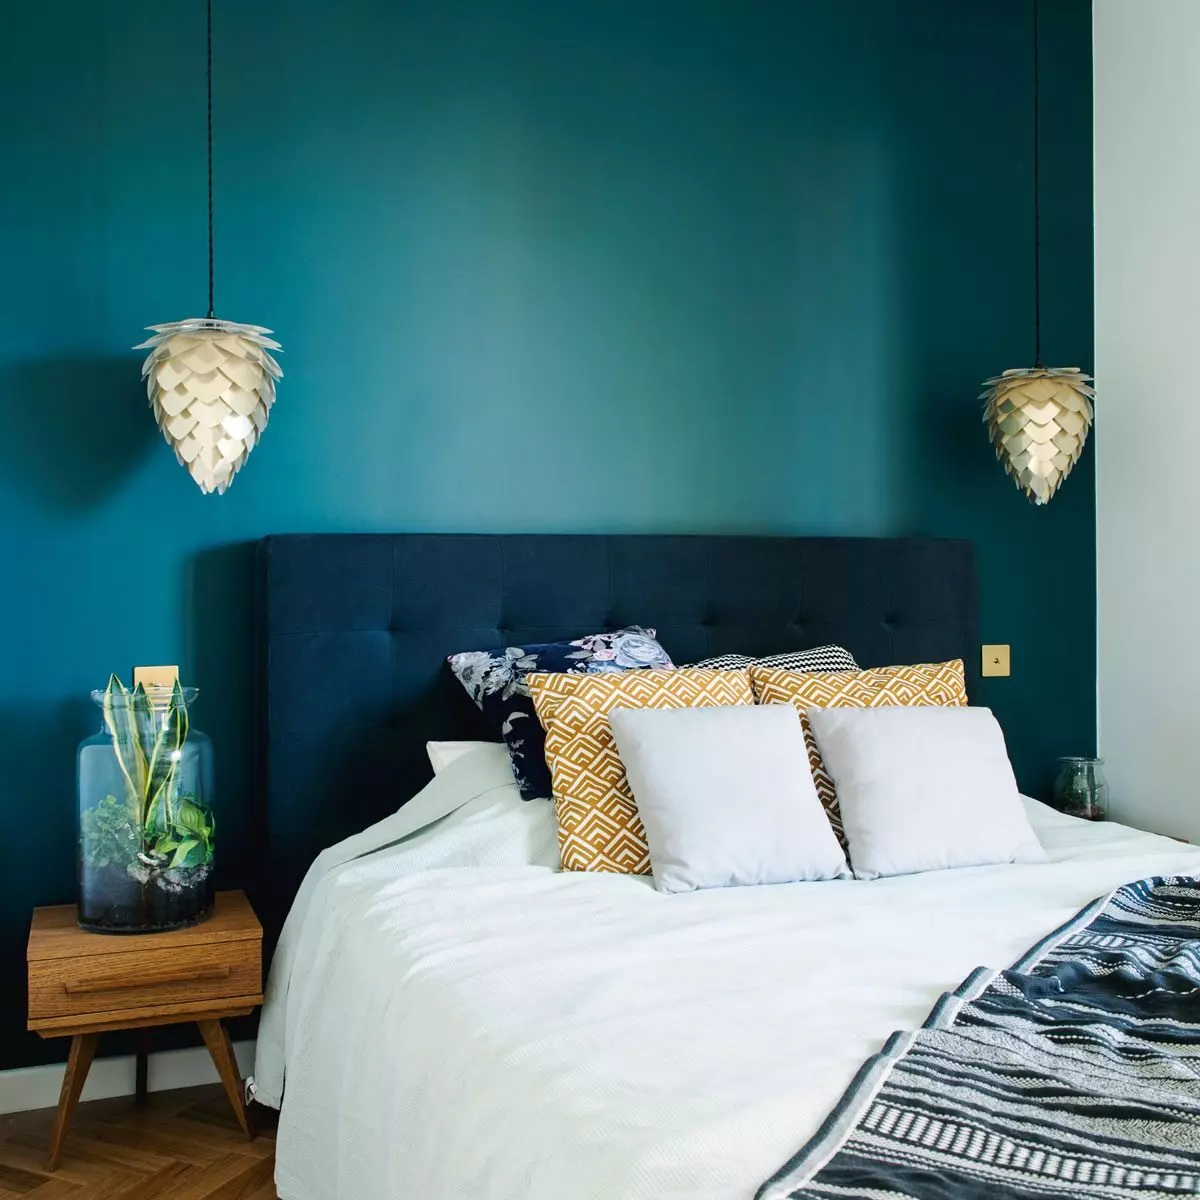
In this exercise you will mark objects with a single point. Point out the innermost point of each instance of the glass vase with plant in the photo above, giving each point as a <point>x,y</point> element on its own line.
<point>1080,789</point>
<point>145,822</point>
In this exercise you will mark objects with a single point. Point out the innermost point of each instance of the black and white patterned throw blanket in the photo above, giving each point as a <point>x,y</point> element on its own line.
<point>1074,1074</point>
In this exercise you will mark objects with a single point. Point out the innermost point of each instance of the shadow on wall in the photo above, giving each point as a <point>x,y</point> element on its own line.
<point>219,608</point>
<point>37,740</point>
<point>218,603</point>
<point>75,429</point>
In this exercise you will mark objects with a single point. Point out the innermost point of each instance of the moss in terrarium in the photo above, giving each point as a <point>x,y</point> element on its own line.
<point>110,834</point>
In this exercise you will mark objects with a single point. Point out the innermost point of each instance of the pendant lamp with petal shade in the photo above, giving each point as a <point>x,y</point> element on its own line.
<point>211,383</point>
<point>1038,417</point>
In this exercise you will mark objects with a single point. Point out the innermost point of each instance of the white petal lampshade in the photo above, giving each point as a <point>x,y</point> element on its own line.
<point>1038,419</point>
<point>211,386</point>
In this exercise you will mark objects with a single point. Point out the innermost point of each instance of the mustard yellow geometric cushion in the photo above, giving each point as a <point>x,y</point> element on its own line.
<point>929,684</point>
<point>598,824</point>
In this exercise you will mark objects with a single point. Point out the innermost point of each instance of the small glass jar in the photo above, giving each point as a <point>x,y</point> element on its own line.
<point>145,821</point>
<point>1080,790</point>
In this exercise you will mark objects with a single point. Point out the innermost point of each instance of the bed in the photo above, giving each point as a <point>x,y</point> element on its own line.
<point>451,1016</point>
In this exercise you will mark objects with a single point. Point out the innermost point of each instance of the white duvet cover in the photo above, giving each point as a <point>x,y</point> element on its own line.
<point>458,1019</point>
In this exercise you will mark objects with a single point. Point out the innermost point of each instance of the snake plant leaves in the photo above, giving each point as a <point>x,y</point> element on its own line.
<point>142,719</point>
<point>120,718</point>
<point>171,733</point>
<point>148,738</point>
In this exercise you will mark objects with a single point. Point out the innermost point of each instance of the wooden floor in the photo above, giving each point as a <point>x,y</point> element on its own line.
<point>183,1145</point>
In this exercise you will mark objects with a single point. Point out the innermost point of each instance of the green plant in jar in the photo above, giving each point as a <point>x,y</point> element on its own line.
<point>145,823</point>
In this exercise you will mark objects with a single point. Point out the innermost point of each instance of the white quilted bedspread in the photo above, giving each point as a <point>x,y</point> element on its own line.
<point>457,1019</point>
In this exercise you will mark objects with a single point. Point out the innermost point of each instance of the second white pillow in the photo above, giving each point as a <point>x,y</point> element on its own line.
<point>923,789</point>
<point>726,796</point>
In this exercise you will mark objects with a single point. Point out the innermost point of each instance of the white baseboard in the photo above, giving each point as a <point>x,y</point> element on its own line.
<point>38,1087</point>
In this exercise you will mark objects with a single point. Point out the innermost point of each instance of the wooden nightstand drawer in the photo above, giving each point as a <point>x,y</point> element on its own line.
<point>143,979</point>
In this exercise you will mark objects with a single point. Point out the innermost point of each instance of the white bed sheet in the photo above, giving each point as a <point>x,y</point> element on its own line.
<point>458,1019</point>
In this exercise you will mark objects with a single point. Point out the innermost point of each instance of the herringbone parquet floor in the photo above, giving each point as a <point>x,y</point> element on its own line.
<point>183,1145</point>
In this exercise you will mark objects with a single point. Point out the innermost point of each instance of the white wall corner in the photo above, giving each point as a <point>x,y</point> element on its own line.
<point>1146,110</point>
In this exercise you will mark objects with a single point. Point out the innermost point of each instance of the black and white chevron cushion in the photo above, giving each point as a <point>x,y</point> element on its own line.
<point>820,658</point>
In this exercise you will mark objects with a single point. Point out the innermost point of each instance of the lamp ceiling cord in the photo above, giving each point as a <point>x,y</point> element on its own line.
<point>1037,222</point>
<point>211,257</point>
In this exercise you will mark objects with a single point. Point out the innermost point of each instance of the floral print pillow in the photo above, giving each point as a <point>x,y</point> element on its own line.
<point>495,680</point>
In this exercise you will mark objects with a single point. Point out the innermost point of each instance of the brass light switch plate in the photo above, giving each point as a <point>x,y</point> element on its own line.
<point>996,660</point>
<point>151,677</point>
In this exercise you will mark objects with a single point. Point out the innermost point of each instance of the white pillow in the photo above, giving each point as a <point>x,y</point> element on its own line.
<point>442,754</point>
<point>922,789</point>
<point>726,796</point>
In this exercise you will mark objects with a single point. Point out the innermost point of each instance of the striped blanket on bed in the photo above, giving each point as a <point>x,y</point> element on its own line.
<point>1074,1074</point>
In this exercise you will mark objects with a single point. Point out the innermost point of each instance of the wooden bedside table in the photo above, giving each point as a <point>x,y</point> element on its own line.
<point>82,984</point>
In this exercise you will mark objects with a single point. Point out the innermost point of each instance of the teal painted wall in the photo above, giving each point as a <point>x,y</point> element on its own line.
<point>618,265</point>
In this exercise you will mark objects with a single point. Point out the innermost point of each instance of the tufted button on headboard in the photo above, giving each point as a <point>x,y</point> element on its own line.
<point>353,632</point>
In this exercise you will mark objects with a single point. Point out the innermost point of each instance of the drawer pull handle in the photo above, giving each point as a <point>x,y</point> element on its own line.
<point>125,982</point>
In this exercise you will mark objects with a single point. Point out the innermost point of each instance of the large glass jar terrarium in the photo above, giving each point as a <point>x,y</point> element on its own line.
<point>1080,790</point>
<point>145,822</point>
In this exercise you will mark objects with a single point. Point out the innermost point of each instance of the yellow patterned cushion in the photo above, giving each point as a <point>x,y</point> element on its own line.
<point>936,684</point>
<point>598,825</point>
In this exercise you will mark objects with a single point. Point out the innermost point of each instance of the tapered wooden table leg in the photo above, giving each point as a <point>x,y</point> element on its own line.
<point>79,1062</point>
<point>216,1038</point>
<point>141,1078</point>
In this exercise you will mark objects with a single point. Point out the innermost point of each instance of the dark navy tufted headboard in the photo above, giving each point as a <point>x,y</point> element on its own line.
<point>353,632</point>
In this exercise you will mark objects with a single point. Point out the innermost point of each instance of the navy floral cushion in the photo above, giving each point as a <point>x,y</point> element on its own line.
<point>495,680</point>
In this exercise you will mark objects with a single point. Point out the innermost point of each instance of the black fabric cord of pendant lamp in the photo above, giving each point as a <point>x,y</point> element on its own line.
<point>1037,178</point>
<point>209,81</point>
